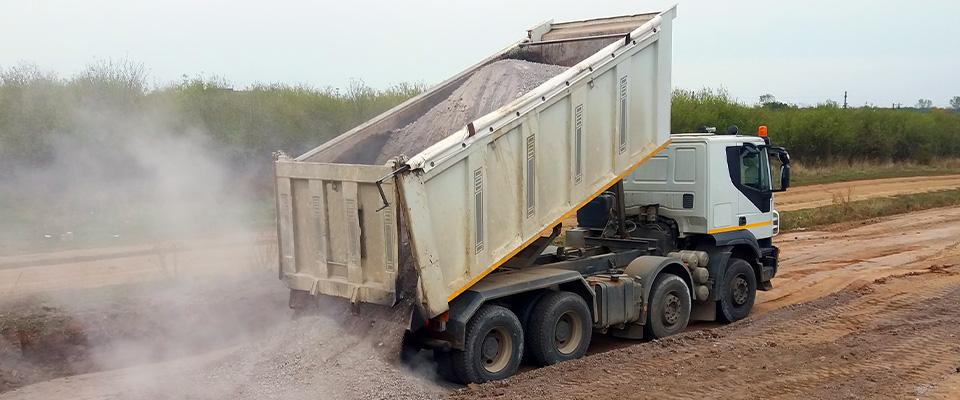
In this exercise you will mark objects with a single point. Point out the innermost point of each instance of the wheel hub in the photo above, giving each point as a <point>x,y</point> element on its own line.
<point>741,290</point>
<point>491,347</point>
<point>671,309</point>
<point>496,350</point>
<point>563,331</point>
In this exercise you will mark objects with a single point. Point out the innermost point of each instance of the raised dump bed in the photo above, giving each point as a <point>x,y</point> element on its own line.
<point>446,187</point>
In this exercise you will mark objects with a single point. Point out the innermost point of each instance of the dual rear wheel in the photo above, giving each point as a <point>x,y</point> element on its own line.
<point>559,329</point>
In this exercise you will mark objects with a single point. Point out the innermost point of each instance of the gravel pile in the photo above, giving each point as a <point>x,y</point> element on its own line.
<point>321,357</point>
<point>488,89</point>
<point>333,355</point>
<point>239,344</point>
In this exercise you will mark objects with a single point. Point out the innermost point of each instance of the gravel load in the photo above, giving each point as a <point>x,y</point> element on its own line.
<point>489,88</point>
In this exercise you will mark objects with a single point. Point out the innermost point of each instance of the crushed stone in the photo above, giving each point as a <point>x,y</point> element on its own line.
<point>489,88</point>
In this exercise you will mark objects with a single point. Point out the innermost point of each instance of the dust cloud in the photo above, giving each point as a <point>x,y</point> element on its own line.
<point>137,250</point>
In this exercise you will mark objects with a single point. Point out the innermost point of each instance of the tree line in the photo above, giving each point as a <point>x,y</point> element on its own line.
<point>39,111</point>
<point>828,133</point>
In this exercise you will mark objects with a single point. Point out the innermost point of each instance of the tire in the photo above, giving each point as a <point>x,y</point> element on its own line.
<point>445,369</point>
<point>669,310</point>
<point>493,346</point>
<point>527,304</point>
<point>738,291</point>
<point>560,328</point>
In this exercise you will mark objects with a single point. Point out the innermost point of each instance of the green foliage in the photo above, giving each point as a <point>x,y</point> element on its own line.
<point>826,133</point>
<point>38,109</point>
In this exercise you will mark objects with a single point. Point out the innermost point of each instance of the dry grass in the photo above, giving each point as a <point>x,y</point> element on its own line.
<point>851,171</point>
<point>844,210</point>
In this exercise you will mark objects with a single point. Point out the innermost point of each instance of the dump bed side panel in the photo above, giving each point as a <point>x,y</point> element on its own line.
<point>476,203</point>
<point>336,237</point>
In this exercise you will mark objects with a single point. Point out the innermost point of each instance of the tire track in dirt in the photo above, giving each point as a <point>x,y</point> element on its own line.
<point>817,263</point>
<point>908,355</point>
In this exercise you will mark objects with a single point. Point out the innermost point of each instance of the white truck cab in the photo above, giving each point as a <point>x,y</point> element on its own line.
<point>706,193</point>
<point>711,184</point>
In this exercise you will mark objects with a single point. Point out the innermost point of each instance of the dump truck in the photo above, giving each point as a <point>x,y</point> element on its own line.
<point>569,211</point>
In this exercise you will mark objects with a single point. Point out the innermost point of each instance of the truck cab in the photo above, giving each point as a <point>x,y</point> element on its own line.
<point>717,190</point>
<point>708,195</point>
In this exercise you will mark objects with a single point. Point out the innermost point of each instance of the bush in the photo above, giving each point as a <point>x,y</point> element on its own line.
<point>827,133</point>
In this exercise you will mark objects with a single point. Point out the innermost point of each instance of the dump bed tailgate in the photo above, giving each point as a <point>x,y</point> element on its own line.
<point>336,235</point>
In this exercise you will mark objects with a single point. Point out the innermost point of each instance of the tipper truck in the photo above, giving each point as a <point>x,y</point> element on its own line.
<point>668,228</point>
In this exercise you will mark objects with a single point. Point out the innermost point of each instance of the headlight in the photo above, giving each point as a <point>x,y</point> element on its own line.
<point>776,223</point>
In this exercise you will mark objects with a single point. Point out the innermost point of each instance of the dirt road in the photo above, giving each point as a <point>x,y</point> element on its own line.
<point>812,196</point>
<point>840,323</point>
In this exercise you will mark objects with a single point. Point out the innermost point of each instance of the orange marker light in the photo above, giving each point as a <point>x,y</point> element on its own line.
<point>762,131</point>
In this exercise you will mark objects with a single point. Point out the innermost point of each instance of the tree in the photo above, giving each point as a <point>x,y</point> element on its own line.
<point>770,102</point>
<point>955,103</point>
<point>924,104</point>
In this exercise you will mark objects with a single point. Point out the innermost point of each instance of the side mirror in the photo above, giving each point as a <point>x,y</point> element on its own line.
<point>779,155</point>
<point>784,178</point>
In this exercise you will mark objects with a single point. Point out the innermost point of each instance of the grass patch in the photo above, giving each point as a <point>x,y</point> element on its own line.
<point>844,210</point>
<point>842,172</point>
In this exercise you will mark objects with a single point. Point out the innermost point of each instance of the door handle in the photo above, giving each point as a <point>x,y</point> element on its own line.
<point>743,221</point>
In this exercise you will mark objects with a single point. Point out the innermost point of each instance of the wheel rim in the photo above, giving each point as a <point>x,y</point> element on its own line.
<point>568,333</point>
<point>740,290</point>
<point>671,309</point>
<point>496,350</point>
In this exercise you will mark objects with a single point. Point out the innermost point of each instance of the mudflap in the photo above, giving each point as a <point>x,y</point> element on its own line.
<point>704,311</point>
<point>769,262</point>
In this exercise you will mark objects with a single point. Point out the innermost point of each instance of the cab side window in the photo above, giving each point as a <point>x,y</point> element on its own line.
<point>752,171</point>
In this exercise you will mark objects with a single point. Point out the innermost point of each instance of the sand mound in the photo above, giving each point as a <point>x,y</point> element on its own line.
<point>488,89</point>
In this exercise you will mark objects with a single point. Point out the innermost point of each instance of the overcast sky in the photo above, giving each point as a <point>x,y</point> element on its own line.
<point>800,51</point>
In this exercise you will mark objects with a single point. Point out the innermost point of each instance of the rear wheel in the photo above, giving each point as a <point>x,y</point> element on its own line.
<point>737,291</point>
<point>669,310</point>
<point>445,368</point>
<point>492,348</point>
<point>559,329</point>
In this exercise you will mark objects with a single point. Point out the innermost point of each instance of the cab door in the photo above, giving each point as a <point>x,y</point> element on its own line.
<point>750,174</point>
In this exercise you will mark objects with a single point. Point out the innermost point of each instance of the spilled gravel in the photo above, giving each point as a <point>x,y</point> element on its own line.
<point>212,340</point>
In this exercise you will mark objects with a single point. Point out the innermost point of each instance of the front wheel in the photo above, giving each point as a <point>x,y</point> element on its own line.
<point>492,349</point>
<point>738,291</point>
<point>669,310</point>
